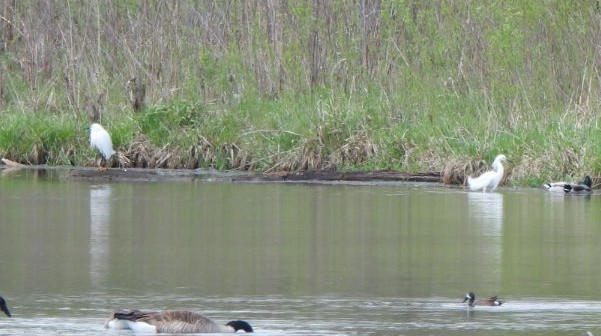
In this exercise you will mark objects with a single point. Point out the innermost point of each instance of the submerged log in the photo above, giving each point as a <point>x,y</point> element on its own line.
<point>11,163</point>
<point>126,175</point>
<point>212,175</point>
<point>358,176</point>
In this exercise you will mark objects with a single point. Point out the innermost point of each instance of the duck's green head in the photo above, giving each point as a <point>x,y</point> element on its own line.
<point>587,181</point>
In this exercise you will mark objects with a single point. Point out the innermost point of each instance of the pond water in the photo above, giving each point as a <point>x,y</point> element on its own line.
<point>298,259</point>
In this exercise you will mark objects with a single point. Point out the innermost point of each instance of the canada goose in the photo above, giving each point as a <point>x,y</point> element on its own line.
<point>582,187</point>
<point>172,322</point>
<point>491,301</point>
<point>114,323</point>
<point>101,140</point>
<point>4,307</point>
<point>489,180</point>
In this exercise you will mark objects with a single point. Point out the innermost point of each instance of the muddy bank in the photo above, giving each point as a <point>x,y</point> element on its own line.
<point>360,176</point>
<point>213,175</point>
<point>151,175</point>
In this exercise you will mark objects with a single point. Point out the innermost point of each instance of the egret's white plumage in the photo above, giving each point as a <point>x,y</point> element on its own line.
<point>101,140</point>
<point>489,180</point>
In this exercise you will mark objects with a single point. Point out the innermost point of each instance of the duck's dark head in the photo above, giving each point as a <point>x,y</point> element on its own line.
<point>240,325</point>
<point>3,307</point>
<point>587,181</point>
<point>470,297</point>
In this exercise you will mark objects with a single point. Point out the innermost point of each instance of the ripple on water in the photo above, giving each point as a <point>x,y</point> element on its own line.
<point>278,315</point>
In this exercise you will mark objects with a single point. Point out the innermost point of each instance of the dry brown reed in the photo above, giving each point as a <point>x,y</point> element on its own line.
<point>167,50</point>
<point>456,171</point>
<point>426,69</point>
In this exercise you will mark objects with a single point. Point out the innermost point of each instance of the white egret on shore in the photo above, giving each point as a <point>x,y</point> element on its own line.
<point>489,180</point>
<point>101,140</point>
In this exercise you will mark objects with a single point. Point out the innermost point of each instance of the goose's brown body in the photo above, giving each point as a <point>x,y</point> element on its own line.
<point>172,322</point>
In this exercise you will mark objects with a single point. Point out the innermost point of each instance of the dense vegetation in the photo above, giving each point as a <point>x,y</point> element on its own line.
<point>291,85</point>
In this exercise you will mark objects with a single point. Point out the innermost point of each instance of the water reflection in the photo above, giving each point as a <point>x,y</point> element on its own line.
<point>487,209</point>
<point>298,259</point>
<point>100,218</point>
<point>486,213</point>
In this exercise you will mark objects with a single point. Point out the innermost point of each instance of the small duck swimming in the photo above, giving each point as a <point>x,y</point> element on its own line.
<point>582,187</point>
<point>171,322</point>
<point>4,307</point>
<point>491,301</point>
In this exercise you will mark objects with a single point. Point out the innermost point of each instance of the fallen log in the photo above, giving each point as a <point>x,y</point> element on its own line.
<point>212,175</point>
<point>359,176</point>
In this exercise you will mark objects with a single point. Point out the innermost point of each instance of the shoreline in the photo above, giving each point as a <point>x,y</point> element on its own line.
<point>90,174</point>
<point>325,176</point>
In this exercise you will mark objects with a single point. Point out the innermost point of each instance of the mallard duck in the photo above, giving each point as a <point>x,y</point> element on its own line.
<point>4,307</point>
<point>491,301</point>
<point>489,180</point>
<point>582,187</point>
<point>171,322</point>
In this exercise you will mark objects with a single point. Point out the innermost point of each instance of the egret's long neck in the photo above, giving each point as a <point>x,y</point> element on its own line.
<point>500,169</point>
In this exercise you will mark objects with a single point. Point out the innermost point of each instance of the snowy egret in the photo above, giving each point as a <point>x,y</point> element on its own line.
<point>3,306</point>
<point>491,301</point>
<point>101,139</point>
<point>582,187</point>
<point>172,322</point>
<point>491,179</point>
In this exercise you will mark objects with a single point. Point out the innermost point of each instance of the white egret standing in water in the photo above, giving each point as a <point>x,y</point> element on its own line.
<point>491,179</point>
<point>101,139</point>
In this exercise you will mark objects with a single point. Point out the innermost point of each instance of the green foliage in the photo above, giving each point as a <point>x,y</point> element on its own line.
<point>164,124</point>
<point>122,133</point>
<point>410,85</point>
<point>39,138</point>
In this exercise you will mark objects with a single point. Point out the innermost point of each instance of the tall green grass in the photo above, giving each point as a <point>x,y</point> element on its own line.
<point>273,85</point>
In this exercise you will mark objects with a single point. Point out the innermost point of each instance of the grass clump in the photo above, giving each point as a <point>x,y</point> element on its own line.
<point>38,139</point>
